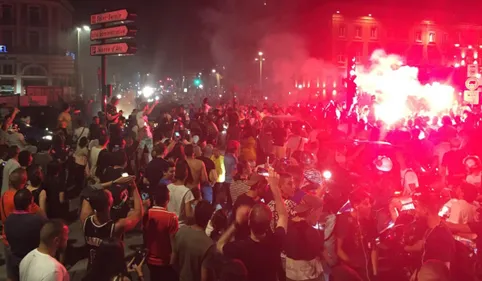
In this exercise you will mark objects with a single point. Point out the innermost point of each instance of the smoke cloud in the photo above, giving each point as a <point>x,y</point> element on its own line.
<point>237,35</point>
<point>398,91</point>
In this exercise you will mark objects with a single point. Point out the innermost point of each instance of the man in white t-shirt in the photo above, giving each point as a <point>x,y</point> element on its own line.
<point>463,209</point>
<point>40,264</point>
<point>181,197</point>
<point>144,133</point>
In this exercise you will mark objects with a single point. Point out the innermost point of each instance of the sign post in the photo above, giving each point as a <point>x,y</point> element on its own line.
<point>107,28</point>
<point>121,31</point>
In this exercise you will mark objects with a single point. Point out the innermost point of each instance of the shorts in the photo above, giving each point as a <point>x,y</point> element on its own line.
<point>146,142</point>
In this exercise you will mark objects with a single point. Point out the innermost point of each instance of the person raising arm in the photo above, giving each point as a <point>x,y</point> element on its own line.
<point>261,251</point>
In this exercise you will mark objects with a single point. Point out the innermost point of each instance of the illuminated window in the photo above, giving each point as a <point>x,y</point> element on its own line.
<point>341,31</point>
<point>418,36</point>
<point>358,32</point>
<point>431,37</point>
<point>374,33</point>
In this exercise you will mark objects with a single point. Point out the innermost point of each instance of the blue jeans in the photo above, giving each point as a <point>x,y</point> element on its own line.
<point>207,193</point>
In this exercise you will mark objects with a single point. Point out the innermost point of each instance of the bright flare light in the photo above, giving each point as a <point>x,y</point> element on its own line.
<point>119,96</point>
<point>398,92</point>
<point>327,175</point>
<point>147,91</point>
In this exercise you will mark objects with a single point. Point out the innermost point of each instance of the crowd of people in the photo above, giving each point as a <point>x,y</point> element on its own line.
<point>237,193</point>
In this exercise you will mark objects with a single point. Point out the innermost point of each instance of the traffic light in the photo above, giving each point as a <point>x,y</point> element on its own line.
<point>197,82</point>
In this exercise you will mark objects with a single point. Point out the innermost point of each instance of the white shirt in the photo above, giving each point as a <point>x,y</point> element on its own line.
<point>409,177</point>
<point>94,155</point>
<point>179,195</point>
<point>81,132</point>
<point>36,266</point>
<point>143,121</point>
<point>461,212</point>
<point>10,166</point>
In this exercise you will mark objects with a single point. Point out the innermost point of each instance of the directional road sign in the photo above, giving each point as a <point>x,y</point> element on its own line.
<point>121,31</point>
<point>472,83</point>
<point>112,49</point>
<point>113,16</point>
<point>472,97</point>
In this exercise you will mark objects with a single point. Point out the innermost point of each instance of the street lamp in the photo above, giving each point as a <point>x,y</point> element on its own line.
<point>260,59</point>
<point>80,80</point>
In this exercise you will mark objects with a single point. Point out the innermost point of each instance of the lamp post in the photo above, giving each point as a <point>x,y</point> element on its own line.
<point>260,59</point>
<point>218,78</point>
<point>80,78</point>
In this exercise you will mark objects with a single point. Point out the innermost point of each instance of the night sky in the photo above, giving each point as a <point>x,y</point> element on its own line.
<point>170,33</point>
<point>188,36</point>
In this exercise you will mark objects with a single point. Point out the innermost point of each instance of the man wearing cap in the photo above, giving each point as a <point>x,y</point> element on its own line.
<point>257,185</point>
<point>304,249</point>
<point>261,250</point>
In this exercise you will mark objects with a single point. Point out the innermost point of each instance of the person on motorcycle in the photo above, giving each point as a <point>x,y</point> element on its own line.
<point>462,208</point>
<point>438,242</point>
<point>473,167</point>
<point>355,233</point>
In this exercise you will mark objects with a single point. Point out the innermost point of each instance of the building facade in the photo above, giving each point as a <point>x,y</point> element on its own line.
<point>34,44</point>
<point>423,37</point>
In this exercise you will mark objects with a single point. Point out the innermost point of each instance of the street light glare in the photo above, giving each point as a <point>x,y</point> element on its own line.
<point>79,29</point>
<point>147,91</point>
<point>86,28</point>
<point>260,53</point>
<point>214,70</point>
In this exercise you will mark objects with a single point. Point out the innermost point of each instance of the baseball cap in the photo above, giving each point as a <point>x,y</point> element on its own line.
<point>383,163</point>
<point>313,176</point>
<point>472,161</point>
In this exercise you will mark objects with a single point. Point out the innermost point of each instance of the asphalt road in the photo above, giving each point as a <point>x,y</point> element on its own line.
<point>76,261</point>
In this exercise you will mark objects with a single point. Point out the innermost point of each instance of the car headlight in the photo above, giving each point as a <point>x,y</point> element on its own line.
<point>48,137</point>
